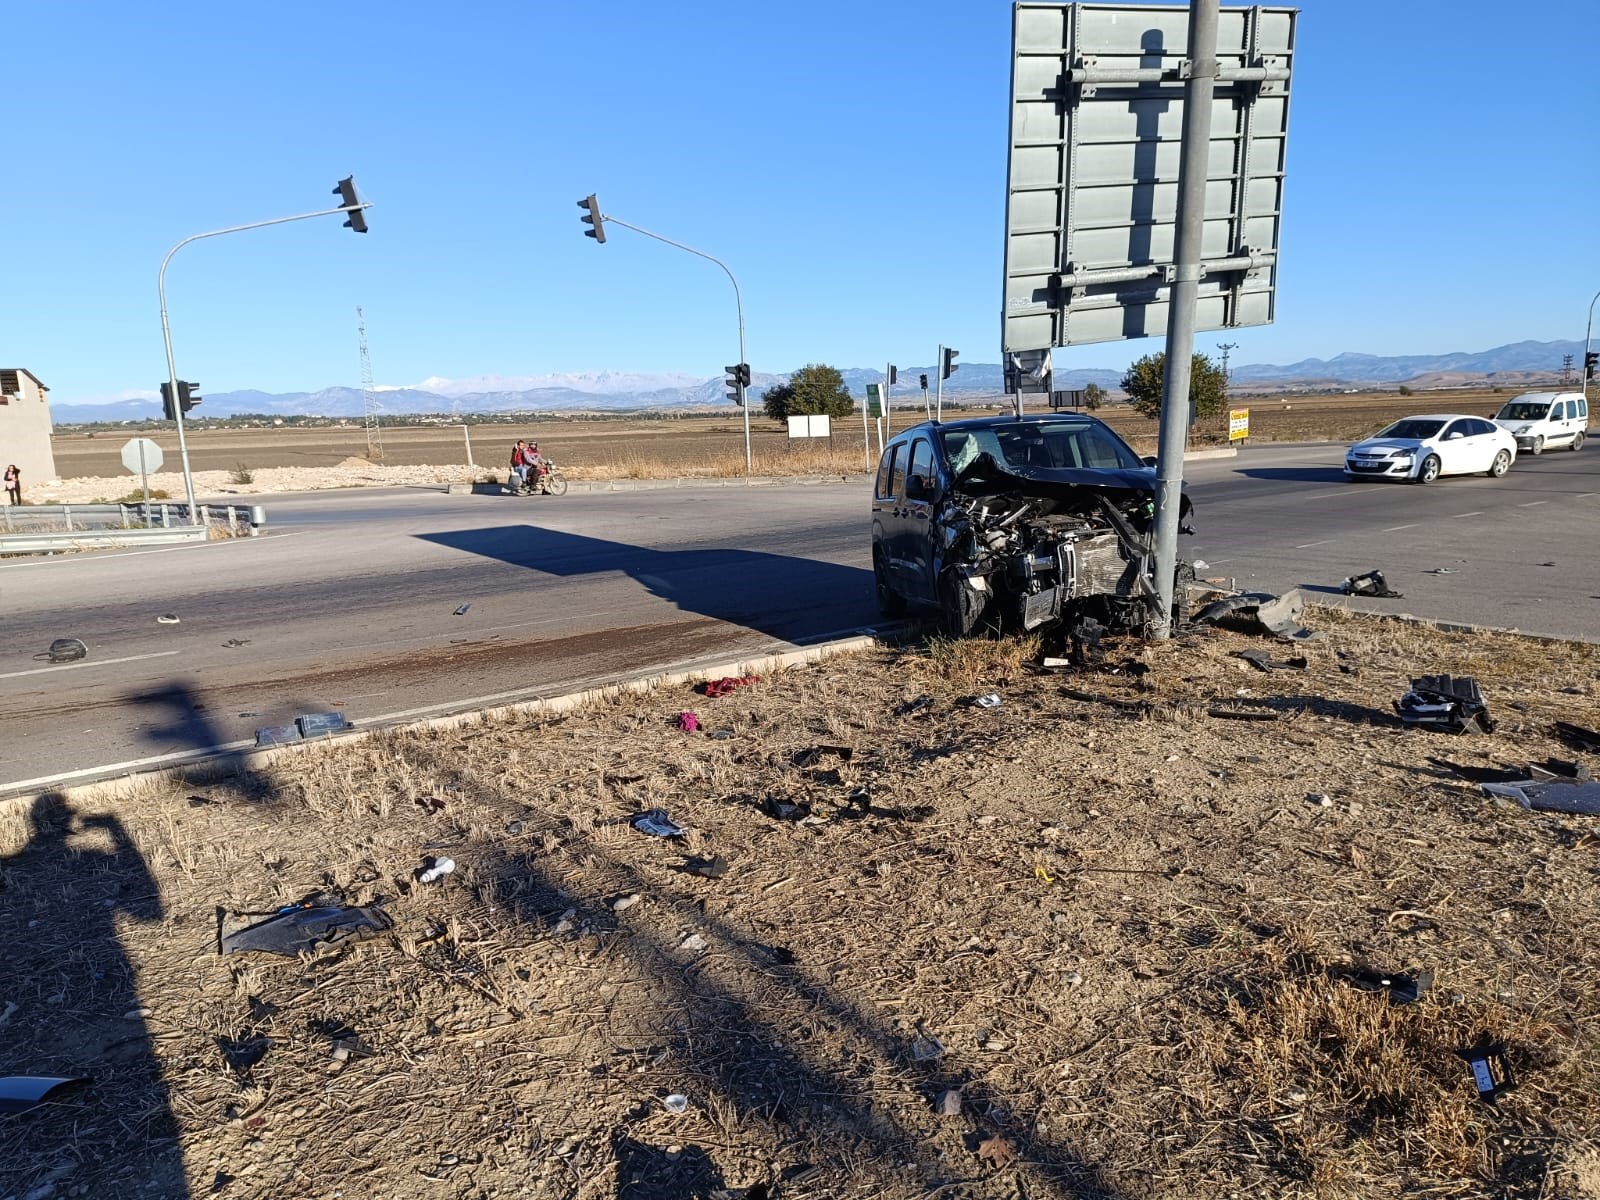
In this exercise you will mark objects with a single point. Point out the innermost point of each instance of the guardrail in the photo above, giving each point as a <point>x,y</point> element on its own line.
<point>41,528</point>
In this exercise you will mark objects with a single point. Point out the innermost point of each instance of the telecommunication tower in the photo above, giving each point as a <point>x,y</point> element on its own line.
<point>369,402</point>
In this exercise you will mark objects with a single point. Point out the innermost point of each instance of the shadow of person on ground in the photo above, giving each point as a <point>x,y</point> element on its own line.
<point>63,894</point>
<point>188,728</point>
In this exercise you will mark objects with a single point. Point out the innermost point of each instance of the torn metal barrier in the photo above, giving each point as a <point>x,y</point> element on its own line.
<point>1454,704</point>
<point>305,928</point>
<point>1371,584</point>
<point>19,1093</point>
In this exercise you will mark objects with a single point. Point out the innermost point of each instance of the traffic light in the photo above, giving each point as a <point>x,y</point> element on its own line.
<point>186,398</point>
<point>894,374</point>
<point>948,367</point>
<point>593,218</point>
<point>738,379</point>
<point>924,380</point>
<point>1591,362</point>
<point>355,218</point>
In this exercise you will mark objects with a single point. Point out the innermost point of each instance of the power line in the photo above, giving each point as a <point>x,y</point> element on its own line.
<point>369,401</point>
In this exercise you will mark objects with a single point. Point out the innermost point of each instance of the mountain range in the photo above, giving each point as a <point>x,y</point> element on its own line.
<point>1518,365</point>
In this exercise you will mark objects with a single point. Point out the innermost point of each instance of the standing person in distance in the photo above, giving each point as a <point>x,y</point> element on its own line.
<point>14,484</point>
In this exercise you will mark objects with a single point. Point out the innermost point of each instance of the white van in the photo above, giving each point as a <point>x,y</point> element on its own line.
<point>1540,420</point>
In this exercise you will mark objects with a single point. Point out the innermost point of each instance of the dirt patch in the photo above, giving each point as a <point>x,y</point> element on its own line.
<point>1048,949</point>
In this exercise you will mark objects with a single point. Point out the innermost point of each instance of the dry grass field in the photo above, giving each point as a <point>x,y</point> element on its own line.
<point>710,445</point>
<point>1045,950</point>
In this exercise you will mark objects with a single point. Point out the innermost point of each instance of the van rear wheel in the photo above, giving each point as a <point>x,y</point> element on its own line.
<point>1577,440</point>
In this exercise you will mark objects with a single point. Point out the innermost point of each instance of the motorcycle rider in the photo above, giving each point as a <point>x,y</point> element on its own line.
<point>519,466</point>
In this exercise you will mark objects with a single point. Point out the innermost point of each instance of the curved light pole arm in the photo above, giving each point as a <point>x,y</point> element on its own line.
<point>166,328</point>
<point>738,301</point>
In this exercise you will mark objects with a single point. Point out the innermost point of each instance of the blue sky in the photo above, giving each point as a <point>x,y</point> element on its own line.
<point>847,159</point>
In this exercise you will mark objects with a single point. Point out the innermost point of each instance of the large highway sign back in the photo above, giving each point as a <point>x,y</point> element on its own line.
<point>1091,203</point>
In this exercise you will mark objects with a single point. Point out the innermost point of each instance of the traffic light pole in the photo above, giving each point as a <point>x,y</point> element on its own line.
<point>1588,327</point>
<point>938,387</point>
<point>738,301</point>
<point>1197,96</point>
<point>166,327</point>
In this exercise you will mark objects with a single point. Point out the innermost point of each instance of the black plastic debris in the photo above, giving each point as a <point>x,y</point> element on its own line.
<point>913,706</point>
<point>714,867</point>
<point>241,1054</point>
<point>815,754</point>
<point>1242,714</point>
<point>1491,1073</point>
<point>1371,584</point>
<point>1453,704</point>
<point>1134,708</point>
<point>64,650</point>
<point>1277,615</point>
<point>277,735</point>
<point>320,724</point>
<point>1402,989</point>
<point>784,810</point>
<point>1578,736</point>
<point>1262,660</point>
<point>304,929</point>
<point>1554,795</point>
<point>19,1093</point>
<point>1473,774</point>
<point>1086,637</point>
<point>657,823</point>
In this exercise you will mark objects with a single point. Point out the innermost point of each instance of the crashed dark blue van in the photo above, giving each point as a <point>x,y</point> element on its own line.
<point>1015,522</point>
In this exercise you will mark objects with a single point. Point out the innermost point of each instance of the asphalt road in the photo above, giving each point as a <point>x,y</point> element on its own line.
<point>350,603</point>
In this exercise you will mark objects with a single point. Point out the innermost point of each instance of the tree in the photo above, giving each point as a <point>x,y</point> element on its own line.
<point>1093,397</point>
<point>816,389</point>
<point>1208,386</point>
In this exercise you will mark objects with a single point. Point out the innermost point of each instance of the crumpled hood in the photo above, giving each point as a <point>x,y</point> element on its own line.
<point>987,477</point>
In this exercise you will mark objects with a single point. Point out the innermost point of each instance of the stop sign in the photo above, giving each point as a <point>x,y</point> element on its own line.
<point>141,455</point>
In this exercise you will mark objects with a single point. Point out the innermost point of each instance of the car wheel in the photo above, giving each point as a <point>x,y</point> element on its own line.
<point>1429,470</point>
<point>1577,440</point>
<point>960,608</point>
<point>890,602</point>
<point>1501,464</point>
<point>1537,447</point>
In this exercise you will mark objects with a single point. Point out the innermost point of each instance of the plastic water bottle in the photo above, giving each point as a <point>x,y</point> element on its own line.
<point>441,867</point>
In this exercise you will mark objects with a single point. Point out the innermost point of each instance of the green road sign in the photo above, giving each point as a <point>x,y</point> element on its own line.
<point>874,400</point>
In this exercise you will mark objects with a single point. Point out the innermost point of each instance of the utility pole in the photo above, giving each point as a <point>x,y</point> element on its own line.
<point>598,221</point>
<point>1227,348</point>
<point>369,400</point>
<point>1566,369</point>
<point>1197,95</point>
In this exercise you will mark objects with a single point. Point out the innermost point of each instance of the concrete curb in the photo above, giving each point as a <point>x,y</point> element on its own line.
<point>1203,455</point>
<point>197,766</point>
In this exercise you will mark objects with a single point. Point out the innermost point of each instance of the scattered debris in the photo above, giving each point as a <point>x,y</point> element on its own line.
<point>925,1047</point>
<point>694,943</point>
<point>1402,989</point>
<point>949,1103</point>
<point>688,722</point>
<point>435,869</point>
<point>784,810</point>
<point>707,868</point>
<point>1278,615</point>
<point>913,706</point>
<point>243,1053</point>
<point>1371,584</point>
<point>320,724</point>
<point>64,650</point>
<point>997,1152</point>
<point>1440,571</point>
<point>727,685</point>
<point>987,700</point>
<point>676,1103</point>
<point>19,1093</point>
<point>811,757</point>
<point>1262,660</point>
<point>1550,795</point>
<point>308,927</point>
<point>277,735</point>
<point>720,735</point>
<point>1242,714</point>
<point>1086,637</point>
<point>1490,1070</point>
<point>167,619</point>
<point>623,903</point>
<point>1136,708</point>
<point>1454,704</point>
<point>234,643</point>
<point>657,823</point>
<point>462,611</point>
<point>432,804</point>
<point>1577,735</point>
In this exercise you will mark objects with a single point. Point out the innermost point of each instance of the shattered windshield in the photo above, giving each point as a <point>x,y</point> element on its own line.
<point>1062,445</point>
<point>1412,427</point>
<point>1524,411</point>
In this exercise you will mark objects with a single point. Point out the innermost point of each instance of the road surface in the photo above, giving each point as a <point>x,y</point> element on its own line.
<point>350,604</point>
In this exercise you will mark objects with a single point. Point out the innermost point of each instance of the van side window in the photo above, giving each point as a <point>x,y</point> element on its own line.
<point>1569,411</point>
<point>1583,409</point>
<point>922,466</point>
<point>886,484</point>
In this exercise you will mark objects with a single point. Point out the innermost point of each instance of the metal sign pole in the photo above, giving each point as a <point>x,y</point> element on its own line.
<point>866,435</point>
<point>888,403</point>
<point>1197,98</point>
<point>144,474</point>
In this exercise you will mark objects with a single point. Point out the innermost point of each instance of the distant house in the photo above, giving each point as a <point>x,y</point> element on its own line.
<point>25,428</point>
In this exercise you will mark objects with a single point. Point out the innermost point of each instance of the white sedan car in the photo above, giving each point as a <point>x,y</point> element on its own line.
<point>1420,449</point>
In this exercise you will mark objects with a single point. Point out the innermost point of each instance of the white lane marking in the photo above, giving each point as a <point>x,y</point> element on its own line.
<point>1586,495</point>
<point>1308,545</point>
<point>1398,528</point>
<point>1533,504</point>
<point>102,662</point>
<point>1459,516</point>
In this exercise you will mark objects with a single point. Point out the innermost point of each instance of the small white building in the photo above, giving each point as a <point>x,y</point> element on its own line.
<point>25,428</point>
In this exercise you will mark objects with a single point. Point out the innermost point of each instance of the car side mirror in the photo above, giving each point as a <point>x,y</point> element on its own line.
<point>1453,435</point>
<point>1149,460</point>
